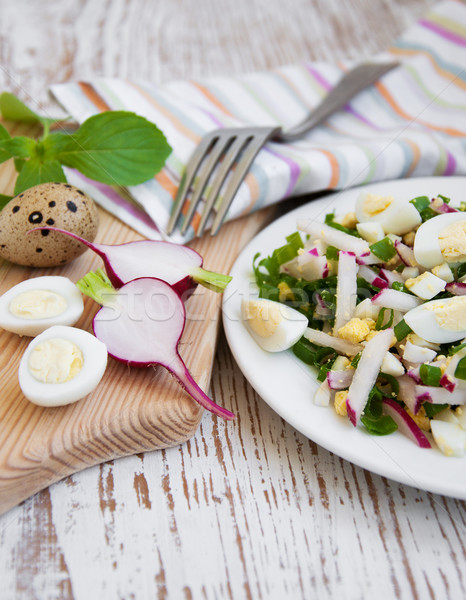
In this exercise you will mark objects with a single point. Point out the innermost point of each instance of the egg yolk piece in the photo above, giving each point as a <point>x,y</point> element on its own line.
<point>55,361</point>
<point>263,317</point>
<point>452,242</point>
<point>374,205</point>
<point>37,304</point>
<point>450,316</point>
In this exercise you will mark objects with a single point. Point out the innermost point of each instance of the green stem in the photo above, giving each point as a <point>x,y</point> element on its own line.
<point>98,287</point>
<point>217,282</point>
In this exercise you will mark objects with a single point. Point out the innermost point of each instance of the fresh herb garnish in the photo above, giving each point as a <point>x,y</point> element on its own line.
<point>114,147</point>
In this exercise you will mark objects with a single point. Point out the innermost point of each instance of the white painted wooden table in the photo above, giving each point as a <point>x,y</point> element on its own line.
<point>245,509</point>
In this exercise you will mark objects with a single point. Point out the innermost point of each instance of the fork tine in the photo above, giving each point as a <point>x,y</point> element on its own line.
<point>217,149</point>
<point>255,144</point>
<point>224,168</point>
<point>188,177</point>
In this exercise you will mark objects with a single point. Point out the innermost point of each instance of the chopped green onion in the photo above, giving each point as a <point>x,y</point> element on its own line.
<point>383,249</point>
<point>444,198</point>
<point>332,253</point>
<point>456,349</point>
<point>355,361</point>
<point>430,375</point>
<point>383,425</point>
<point>433,409</point>
<point>391,381</point>
<point>401,330</point>
<point>381,317</point>
<point>420,203</point>
<point>289,250</point>
<point>400,287</point>
<point>460,371</point>
<point>330,220</point>
<point>428,213</point>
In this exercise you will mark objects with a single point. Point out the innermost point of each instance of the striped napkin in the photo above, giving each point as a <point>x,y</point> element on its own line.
<point>411,123</point>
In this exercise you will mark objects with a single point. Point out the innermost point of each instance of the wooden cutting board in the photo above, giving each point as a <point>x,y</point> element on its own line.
<point>131,410</point>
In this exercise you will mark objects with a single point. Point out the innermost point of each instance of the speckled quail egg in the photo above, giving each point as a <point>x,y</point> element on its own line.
<point>32,306</point>
<point>61,365</point>
<point>441,239</point>
<point>273,325</point>
<point>54,204</point>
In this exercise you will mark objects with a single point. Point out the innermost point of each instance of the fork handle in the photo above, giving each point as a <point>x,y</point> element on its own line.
<point>349,85</point>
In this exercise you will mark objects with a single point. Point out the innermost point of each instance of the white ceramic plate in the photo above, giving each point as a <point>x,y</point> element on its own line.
<point>288,385</point>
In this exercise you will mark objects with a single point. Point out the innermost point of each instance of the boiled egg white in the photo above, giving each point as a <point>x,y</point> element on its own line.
<point>61,365</point>
<point>32,306</point>
<point>441,239</point>
<point>273,325</point>
<point>439,321</point>
<point>394,215</point>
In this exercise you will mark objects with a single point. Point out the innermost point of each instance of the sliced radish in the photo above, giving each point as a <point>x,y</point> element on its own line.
<point>178,265</point>
<point>366,373</point>
<point>390,276</point>
<point>141,324</point>
<point>347,288</point>
<point>371,277</point>
<point>458,288</point>
<point>334,237</point>
<point>329,341</point>
<point>395,299</point>
<point>407,393</point>
<point>439,395</point>
<point>406,424</point>
<point>340,380</point>
<point>406,254</point>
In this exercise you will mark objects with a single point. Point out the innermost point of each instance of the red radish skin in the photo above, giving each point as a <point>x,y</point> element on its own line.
<point>406,424</point>
<point>145,258</point>
<point>141,324</point>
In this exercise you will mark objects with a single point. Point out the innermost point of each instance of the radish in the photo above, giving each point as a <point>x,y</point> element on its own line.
<point>366,373</point>
<point>406,424</point>
<point>141,324</point>
<point>178,265</point>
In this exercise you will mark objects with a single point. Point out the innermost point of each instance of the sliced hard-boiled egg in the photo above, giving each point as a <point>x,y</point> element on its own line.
<point>449,437</point>
<point>394,215</point>
<point>371,231</point>
<point>425,286</point>
<point>61,365</point>
<point>439,321</point>
<point>274,326</point>
<point>32,306</point>
<point>441,239</point>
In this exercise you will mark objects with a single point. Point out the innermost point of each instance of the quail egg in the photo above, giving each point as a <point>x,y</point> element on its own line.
<point>33,305</point>
<point>61,365</point>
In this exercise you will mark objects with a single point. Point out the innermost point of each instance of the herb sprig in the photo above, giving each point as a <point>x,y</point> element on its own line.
<point>115,147</point>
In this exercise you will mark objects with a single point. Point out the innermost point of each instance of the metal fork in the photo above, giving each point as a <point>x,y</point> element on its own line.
<point>223,148</point>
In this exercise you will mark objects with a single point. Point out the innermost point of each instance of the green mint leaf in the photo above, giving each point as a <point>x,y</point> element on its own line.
<point>5,152</point>
<point>36,171</point>
<point>19,164</point>
<point>4,200</point>
<point>116,147</point>
<point>21,146</point>
<point>13,109</point>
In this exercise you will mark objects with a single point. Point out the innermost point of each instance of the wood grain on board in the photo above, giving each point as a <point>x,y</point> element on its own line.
<point>131,410</point>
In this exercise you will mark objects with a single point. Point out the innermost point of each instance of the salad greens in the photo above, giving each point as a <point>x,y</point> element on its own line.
<point>418,382</point>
